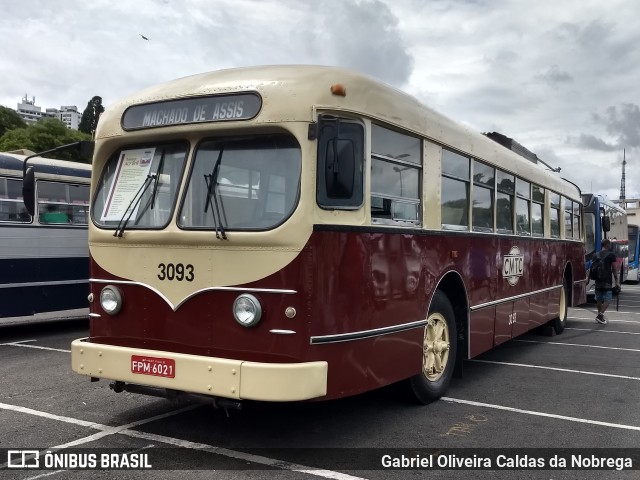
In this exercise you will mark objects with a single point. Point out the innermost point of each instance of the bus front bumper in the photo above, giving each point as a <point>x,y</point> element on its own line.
<point>220,377</point>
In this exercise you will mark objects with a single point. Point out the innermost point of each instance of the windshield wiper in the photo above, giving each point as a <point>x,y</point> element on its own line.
<point>212,183</point>
<point>152,200</point>
<point>122,224</point>
<point>157,179</point>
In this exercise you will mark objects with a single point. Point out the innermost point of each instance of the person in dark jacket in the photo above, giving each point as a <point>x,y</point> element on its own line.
<point>604,288</point>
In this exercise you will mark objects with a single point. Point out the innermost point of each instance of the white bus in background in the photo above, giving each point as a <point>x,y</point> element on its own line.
<point>44,264</point>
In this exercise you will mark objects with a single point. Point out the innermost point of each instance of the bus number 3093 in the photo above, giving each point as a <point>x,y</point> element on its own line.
<point>178,271</point>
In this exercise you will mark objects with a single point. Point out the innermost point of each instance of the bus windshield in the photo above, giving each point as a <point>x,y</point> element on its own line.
<point>122,192</point>
<point>256,183</point>
<point>590,233</point>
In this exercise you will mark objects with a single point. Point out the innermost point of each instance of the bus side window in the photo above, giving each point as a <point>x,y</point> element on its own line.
<point>576,221</point>
<point>455,190</point>
<point>523,207</point>
<point>62,203</point>
<point>568,218</point>
<point>537,210</point>
<point>340,164</point>
<point>12,208</point>
<point>482,201</point>
<point>554,202</point>
<point>396,170</point>
<point>505,201</point>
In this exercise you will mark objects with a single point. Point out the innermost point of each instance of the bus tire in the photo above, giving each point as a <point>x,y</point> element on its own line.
<point>560,321</point>
<point>439,352</point>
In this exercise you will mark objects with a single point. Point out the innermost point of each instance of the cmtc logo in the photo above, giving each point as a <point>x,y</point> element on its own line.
<point>513,266</point>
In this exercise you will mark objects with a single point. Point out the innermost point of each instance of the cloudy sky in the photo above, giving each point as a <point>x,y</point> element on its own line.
<point>562,77</point>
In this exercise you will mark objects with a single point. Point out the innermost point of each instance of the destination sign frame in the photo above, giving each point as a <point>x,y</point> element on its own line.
<point>184,111</point>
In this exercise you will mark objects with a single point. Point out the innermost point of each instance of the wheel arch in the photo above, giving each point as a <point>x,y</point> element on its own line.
<point>453,286</point>
<point>568,276</point>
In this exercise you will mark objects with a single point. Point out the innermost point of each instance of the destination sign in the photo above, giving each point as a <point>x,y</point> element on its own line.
<point>220,108</point>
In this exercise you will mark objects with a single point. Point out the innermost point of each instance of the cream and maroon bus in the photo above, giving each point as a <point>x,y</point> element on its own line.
<point>294,233</point>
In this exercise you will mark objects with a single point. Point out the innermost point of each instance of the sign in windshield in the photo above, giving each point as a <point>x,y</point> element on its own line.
<point>220,108</point>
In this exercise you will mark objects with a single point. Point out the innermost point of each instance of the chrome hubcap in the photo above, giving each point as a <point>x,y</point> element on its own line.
<point>436,347</point>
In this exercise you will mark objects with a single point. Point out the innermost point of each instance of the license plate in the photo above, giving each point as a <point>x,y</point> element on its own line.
<point>160,367</point>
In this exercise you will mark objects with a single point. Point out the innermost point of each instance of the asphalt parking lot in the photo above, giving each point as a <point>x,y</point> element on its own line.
<point>527,400</point>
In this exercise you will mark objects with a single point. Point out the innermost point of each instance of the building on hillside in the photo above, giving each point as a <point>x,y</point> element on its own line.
<point>70,117</point>
<point>31,113</point>
<point>68,114</point>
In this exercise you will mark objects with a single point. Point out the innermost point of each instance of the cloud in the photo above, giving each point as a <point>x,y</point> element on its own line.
<point>591,142</point>
<point>554,76</point>
<point>623,124</point>
<point>362,35</point>
<point>532,71</point>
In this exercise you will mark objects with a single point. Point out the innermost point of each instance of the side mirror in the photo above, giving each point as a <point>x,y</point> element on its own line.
<point>606,224</point>
<point>85,147</point>
<point>29,190</point>
<point>341,168</point>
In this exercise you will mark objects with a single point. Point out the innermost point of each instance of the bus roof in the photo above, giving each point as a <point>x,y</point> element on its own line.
<point>589,199</point>
<point>12,163</point>
<point>296,92</point>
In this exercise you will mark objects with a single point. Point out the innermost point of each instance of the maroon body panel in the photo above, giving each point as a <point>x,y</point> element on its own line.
<point>351,280</point>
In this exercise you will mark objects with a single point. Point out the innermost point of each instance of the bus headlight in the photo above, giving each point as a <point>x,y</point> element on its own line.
<point>111,299</point>
<point>247,310</point>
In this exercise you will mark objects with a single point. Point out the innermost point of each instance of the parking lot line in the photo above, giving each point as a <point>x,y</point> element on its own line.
<point>37,347</point>
<point>106,430</point>
<point>584,372</point>
<point>48,474</point>
<point>542,414</point>
<point>609,320</point>
<point>579,345</point>
<point>603,331</point>
<point>50,416</point>
<point>610,311</point>
<point>270,462</point>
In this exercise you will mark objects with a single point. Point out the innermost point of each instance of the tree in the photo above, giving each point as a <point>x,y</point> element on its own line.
<point>44,135</point>
<point>91,115</point>
<point>9,120</point>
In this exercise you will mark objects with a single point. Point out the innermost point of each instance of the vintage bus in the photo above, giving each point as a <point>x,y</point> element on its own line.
<point>44,255</point>
<point>602,219</point>
<point>634,253</point>
<point>292,233</point>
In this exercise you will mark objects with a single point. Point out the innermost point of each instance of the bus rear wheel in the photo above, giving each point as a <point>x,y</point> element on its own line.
<point>560,321</point>
<point>438,352</point>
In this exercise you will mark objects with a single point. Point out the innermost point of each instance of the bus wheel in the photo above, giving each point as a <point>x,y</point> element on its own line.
<point>438,351</point>
<point>561,320</point>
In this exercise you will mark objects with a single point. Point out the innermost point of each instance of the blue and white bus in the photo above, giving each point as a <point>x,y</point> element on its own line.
<point>634,253</point>
<point>602,219</point>
<point>44,264</point>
